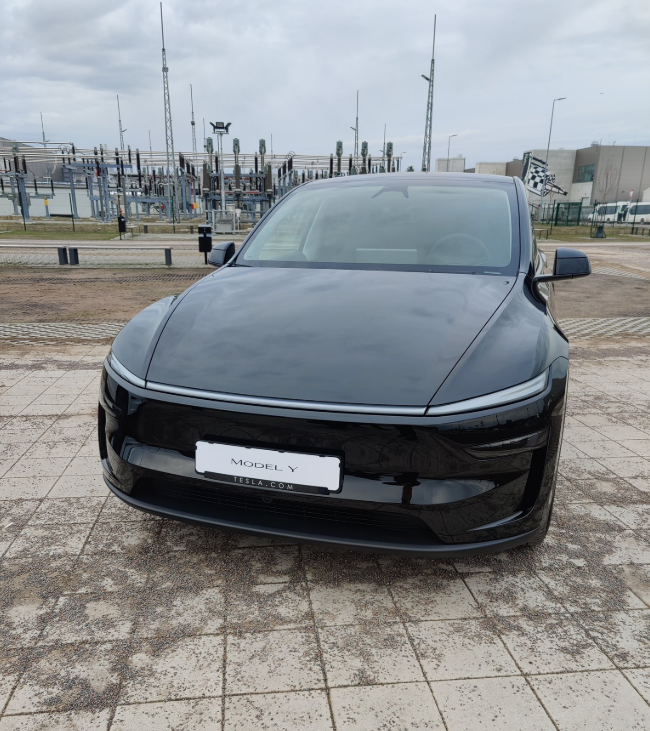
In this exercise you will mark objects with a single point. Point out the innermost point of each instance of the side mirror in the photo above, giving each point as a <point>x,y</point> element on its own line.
<point>569,264</point>
<point>221,253</point>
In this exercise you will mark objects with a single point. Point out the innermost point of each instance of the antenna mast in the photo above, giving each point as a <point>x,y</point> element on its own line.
<point>426,150</point>
<point>193,122</point>
<point>169,135</point>
<point>43,129</point>
<point>119,118</point>
<point>356,130</point>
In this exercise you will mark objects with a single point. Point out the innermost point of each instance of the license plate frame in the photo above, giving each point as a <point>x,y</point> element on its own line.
<point>271,469</point>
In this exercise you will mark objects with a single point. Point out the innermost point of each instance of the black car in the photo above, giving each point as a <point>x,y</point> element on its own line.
<point>377,367</point>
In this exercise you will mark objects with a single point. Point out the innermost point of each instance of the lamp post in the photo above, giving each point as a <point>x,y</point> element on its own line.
<point>548,147</point>
<point>448,147</point>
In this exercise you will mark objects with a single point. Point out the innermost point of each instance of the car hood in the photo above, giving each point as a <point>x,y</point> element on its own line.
<point>325,335</point>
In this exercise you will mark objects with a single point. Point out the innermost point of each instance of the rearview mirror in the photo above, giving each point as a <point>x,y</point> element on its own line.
<point>221,253</point>
<point>569,264</point>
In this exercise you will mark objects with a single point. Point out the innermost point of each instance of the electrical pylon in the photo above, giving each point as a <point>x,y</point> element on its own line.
<point>193,122</point>
<point>169,135</point>
<point>119,119</point>
<point>426,150</point>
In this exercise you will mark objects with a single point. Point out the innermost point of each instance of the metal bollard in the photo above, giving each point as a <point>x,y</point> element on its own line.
<point>191,229</point>
<point>74,256</point>
<point>168,257</point>
<point>146,228</point>
<point>63,255</point>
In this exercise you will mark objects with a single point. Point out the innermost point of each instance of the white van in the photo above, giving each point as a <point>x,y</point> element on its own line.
<point>639,213</point>
<point>610,212</point>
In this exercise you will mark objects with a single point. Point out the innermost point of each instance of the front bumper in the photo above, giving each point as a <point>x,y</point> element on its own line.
<point>439,486</point>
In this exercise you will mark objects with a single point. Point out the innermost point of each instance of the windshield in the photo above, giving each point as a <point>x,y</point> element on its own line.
<point>396,224</point>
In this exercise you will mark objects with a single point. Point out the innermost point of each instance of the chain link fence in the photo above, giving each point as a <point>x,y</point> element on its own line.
<point>99,257</point>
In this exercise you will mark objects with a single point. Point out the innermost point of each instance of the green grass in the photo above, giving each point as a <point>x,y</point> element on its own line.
<point>580,233</point>
<point>57,235</point>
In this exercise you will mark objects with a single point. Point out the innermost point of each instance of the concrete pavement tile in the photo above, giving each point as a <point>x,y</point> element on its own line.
<point>120,537</point>
<point>69,677</point>
<point>575,431</point>
<point>14,515</point>
<point>177,536</point>
<point>265,565</point>
<point>434,597</point>
<point>109,573</point>
<point>641,447</point>
<point>68,721</point>
<point>583,469</point>
<point>51,397</point>
<point>551,644</point>
<point>509,595</point>
<point>571,451</point>
<point>368,654</point>
<point>625,547</point>
<point>640,679</point>
<point>587,516</point>
<point>67,510</point>
<point>181,612</point>
<point>23,617</point>
<point>605,448</point>
<point>619,432</point>
<point>89,450</point>
<point>86,486</point>
<point>351,602</point>
<point>12,664</point>
<point>265,662</point>
<point>37,423</point>
<point>41,409</point>
<point>497,704</point>
<point>58,449</point>
<point>55,540</point>
<point>186,570</point>
<point>468,648</point>
<point>50,467</point>
<point>632,516</point>
<point>25,488</point>
<point>171,669</point>
<point>18,436</point>
<point>627,467</point>
<point>398,707</point>
<point>590,589</point>
<point>611,490</point>
<point>637,579</point>
<point>623,636</point>
<point>279,712</point>
<point>268,606</point>
<point>245,540</point>
<point>603,700</point>
<point>336,566</point>
<point>91,618</point>
<point>81,466</point>
<point>117,511</point>
<point>14,451</point>
<point>396,566</point>
<point>170,716</point>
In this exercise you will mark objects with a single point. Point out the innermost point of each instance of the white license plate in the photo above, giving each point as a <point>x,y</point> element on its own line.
<point>253,467</point>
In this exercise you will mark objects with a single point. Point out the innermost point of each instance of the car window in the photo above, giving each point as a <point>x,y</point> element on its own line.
<point>392,224</point>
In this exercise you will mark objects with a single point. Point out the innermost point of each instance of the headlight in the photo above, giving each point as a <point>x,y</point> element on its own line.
<point>122,371</point>
<point>498,398</point>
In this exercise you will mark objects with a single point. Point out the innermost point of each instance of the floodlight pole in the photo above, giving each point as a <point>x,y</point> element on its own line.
<point>548,148</point>
<point>426,150</point>
<point>448,148</point>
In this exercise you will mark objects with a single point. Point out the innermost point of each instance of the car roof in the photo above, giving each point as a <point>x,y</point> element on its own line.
<point>473,179</point>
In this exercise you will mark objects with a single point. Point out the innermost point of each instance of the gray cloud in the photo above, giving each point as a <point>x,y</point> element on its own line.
<point>291,68</point>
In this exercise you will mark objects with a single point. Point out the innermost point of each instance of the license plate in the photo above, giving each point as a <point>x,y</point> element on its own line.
<point>253,467</point>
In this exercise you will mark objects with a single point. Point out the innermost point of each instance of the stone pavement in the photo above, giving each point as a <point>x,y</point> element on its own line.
<point>112,619</point>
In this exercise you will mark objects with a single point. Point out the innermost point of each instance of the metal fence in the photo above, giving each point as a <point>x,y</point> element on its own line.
<point>99,257</point>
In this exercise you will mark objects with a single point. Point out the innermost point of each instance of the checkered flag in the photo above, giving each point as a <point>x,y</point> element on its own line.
<point>532,174</point>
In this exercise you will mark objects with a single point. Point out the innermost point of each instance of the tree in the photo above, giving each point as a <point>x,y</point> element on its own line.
<point>606,182</point>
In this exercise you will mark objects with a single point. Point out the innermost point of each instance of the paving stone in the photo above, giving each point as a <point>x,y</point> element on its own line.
<point>398,707</point>
<point>80,486</point>
<point>351,602</point>
<point>514,594</point>
<point>68,721</point>
<point>268,606</point>
<point>581,700</point>
<point>92,618</point>
<point>490,704</point>
<point>623,636</point>
<point>264,662</point>
<point>279,712</point>
<point>121,537</point>
<point>170,668</point>
<point>67,510</point>
<point>185,715</point>
<point>458,649</point>
<point>434,597</point>
<point>368,654</point>
<point>180,612</point>
<point>59,540</point>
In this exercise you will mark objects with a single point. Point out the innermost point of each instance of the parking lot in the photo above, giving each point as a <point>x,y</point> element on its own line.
<point>113,619</point>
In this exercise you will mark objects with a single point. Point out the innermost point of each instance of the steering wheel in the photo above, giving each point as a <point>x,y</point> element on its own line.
<point>459,250</point>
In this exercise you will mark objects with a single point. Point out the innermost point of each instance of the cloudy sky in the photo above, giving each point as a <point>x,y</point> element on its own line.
<point>291,68</point>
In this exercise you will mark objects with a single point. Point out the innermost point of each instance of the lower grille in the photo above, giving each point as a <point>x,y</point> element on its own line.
<point>326,518</point>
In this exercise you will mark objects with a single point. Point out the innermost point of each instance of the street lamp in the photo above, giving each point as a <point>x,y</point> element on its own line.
<point>448,147</point>
<point>548,147</point>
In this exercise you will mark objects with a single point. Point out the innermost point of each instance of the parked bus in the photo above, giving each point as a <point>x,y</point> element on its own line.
<point>639,212</point>
<point>610,212</point>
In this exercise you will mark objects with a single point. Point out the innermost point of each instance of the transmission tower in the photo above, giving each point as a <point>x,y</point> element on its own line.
<point>193,123</point>
<point>426,150</point>
<point>356,131</point>
<point>119,118</point>
<point>169,135</point>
